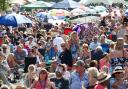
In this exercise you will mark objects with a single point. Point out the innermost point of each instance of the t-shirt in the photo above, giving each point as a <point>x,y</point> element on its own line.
<point>66,57</point>
<point>99,86</point>
<point>60,83</point>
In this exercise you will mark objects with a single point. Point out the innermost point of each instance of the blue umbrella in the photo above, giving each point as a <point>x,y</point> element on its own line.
<point>44,15</point>
<point>13,20</point>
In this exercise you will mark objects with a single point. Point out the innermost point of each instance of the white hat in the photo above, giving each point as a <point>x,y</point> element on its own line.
<point>118,69</point>
<point>102,77</point>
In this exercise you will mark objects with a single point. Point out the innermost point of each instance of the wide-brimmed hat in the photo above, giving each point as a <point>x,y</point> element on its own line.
<point>118,69</point>
<point>102,77</point>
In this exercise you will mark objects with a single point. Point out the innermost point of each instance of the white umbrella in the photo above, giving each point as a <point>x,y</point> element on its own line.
<point>118,1</point>
<point>77,11</point>
<point>100,8</point>
<point>104,13</point>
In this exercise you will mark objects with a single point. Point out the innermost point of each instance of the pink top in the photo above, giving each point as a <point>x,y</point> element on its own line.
<point>99,86</point>
<point>38,85</point>
<point>103,64</point>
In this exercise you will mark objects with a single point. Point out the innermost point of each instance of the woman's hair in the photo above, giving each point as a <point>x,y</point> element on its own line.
<point>31,68</point>
<point>93,63</point>
<point>119,44</point>
<point>72,35</point>
<point>85,45</point>
<point>43,71</point>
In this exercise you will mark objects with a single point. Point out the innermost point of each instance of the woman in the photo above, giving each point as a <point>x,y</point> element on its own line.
<point>102,81</point>
<point>74,45</point>
<point>85,55</point>
<point>11,60</point>
<point>30,76</point>
<point>118,56</point>
<point>42,82</point>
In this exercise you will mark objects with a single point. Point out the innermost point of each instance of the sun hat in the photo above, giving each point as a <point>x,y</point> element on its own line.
<point>102,77</point>
<point>79,63</point>
<point>118,69</point>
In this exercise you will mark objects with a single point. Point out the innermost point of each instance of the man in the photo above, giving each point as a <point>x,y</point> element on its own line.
<point>20,54</point>
<point>79,78</point>
<point>59,80</point>
<point>66,56</point>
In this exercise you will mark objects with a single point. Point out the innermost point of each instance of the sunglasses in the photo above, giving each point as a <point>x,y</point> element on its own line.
<point>119,73</point>
<point>62,45</point>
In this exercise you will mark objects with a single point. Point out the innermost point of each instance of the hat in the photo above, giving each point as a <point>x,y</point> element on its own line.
<point>102,77</point>
<point>118,69</point>
<point>79,63</point>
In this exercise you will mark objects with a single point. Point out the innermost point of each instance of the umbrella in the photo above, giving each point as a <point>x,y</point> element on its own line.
<point>118,1</point>
<point>77,11</point>
<point>44,15</point>
<point>59,12</point>
<point>100,8</point>
<point>66,4</point>
<point>14,20</point>
<point>35,6</point>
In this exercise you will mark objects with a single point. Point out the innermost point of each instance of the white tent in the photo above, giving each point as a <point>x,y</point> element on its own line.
<point>107,2</point>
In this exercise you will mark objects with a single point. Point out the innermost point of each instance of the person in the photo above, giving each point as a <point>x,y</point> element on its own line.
<point>74,44</point>
<point>4,70</point>
<point>42,82</point>
<point>30,43</point>
<point>79,78</point>
<point>118,79</point>
<point>93,73</point>
<point>30,76</point>
<point>66,56</point>
<point>93,45</point>
<point>59,80</point>
<point>102,81</point>
<point>85,55</point>
<point>119,55</point>
<point>20,54</point>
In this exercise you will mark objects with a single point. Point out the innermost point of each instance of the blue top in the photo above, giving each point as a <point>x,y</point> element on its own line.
<point>77,83</point>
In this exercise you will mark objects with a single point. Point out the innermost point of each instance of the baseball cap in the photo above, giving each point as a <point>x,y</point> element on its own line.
<point>79,63</point>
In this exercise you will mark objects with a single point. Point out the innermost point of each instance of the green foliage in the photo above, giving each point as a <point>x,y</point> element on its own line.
<point>4,5</point>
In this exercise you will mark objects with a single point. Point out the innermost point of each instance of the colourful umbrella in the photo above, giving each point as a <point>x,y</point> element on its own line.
<point>59,12</point>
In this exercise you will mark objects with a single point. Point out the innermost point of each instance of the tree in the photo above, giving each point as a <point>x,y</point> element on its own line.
<point>4,5</point>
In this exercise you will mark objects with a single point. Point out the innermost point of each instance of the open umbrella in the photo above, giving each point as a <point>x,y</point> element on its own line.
<point>59,12</point>
<point>66,4</point>
<point>77,11</point>
<point>14,20</point>
<point>35,6</point>
<point>100,8</point>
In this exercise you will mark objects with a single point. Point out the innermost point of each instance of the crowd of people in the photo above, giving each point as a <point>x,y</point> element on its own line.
<point>43,57</point>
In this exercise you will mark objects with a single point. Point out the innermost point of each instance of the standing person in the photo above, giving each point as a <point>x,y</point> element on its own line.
<point>42,82</point>
<point>85,55</point>
<point>79,78</point>
<point>93,73</point>
<point>102,81</point>
<point>59,80</point>
<point>74,45</point>
<point>66,56</point>
<point>118,56</point>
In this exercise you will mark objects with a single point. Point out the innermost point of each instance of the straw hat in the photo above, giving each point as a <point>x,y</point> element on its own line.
<point>118,69</point>
<point>102,77</point>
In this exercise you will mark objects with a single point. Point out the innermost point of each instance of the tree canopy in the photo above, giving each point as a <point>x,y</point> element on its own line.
<point>4,5</point>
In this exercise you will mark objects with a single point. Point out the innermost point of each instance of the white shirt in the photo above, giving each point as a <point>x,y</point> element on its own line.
<point>57,42</point>
<point>30,45</point>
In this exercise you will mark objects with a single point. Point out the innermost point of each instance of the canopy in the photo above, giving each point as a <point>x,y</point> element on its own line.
<point>108,2</point>
<point>35,6</point>
<point>66,4</point>
<point>14,20</point>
